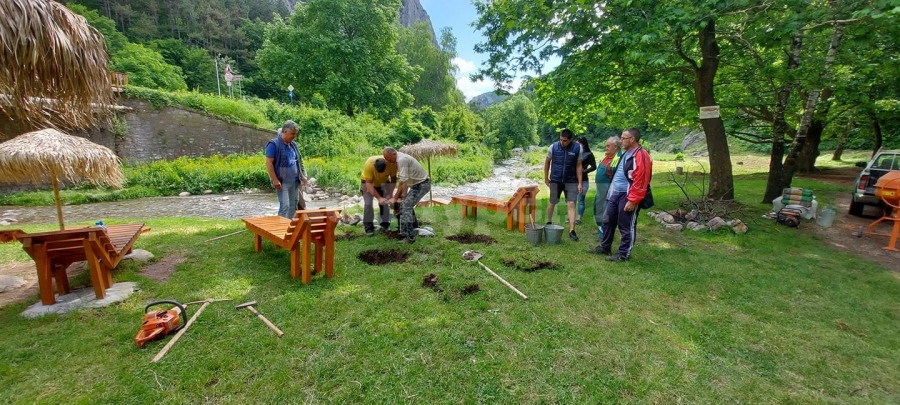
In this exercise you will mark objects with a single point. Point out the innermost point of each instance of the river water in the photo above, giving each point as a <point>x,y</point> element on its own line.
<point>506,178</point>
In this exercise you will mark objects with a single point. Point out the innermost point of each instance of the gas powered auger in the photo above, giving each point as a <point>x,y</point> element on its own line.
<point>159,323</point>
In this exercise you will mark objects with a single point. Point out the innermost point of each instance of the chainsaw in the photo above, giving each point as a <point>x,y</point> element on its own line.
<point>159,323</point>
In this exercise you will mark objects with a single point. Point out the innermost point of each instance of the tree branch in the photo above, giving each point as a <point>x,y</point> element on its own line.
<point>679,49</point>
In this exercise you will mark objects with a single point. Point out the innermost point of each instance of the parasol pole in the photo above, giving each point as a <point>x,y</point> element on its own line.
<point>430,189</point>
<point>62,227</point>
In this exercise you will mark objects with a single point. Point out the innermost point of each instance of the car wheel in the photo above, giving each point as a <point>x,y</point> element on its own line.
<point>856,208</point>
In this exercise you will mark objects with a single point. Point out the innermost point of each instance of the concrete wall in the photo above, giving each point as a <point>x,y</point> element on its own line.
<point>167,133</point>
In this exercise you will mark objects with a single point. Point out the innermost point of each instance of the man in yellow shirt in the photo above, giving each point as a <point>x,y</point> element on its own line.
<point>377,183</point>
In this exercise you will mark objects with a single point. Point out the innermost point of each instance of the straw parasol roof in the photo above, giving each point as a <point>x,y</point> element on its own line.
<point>54,70</point>
<point>48,154</point>
<point>427,148</point>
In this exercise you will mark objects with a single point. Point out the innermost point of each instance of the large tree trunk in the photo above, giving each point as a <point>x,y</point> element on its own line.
<point>790,163</point>
<point>876,129</point>
<point>774,185</point>
<point>721,181</point>
<point>806,162</point>
<point>842,140</point>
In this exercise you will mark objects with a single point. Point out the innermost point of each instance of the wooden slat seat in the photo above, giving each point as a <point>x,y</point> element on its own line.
<point>54,251</point>
<point>307,229</point>
<point>525,199</point>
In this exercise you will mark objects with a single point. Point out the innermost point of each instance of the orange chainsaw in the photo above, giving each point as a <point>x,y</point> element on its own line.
<point>159,323</point>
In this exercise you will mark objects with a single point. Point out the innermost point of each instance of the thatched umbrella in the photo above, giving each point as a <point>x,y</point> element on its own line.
<point>32,157</point>
<point>54,70</point>
<point>426,148</point>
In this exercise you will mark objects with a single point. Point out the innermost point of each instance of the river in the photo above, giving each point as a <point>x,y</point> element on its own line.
<point>506,178</point>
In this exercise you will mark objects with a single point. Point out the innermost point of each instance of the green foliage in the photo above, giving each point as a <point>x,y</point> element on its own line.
<point>196,64</point>
<point>679,156</point>
<point>435,87</point>
<point>231,110</point>
<point>344,51</point>
<point>473,163</point>
<point>119,126</point>
<point>459,123</point>
<point>195,175</point>
<point>512,123</point>
<point>115,40</point>
<point>408,130</point>
<point>146,68</point>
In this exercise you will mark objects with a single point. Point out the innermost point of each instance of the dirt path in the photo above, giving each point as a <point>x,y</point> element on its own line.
<point>844,234</point>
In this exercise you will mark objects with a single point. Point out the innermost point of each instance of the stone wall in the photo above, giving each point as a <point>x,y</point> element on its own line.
<point>170,133</point>
<point>167,133</point>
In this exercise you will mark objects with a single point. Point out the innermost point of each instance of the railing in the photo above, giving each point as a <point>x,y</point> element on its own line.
<point>119,80</point>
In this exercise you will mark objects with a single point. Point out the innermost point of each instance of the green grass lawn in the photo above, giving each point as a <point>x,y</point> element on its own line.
<point>772,316</point>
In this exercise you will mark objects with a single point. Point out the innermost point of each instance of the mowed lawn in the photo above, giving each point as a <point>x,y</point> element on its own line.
<point>772,316</point>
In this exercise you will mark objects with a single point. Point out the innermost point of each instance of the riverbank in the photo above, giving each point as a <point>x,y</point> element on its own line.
<point>505,179</point>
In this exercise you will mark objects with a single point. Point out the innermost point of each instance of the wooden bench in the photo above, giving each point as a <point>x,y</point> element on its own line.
<point>524,199</point>
<point>308,227</point>
<point>54,251</point>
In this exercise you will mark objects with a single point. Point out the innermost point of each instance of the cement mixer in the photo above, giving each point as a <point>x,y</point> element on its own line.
<point>888,190</point>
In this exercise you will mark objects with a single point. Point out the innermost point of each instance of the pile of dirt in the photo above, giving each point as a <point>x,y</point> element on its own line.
<point>377,257</point>
<point>468,238</point>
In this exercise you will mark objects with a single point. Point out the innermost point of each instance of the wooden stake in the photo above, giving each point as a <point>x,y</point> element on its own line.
<point>180,332</point>
<point>62,227</point>
<point>503,281</point>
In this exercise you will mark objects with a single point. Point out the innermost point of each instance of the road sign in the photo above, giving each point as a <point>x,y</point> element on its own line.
<point>291,88</point>
<point>237,78</point>
<point>228,75</point>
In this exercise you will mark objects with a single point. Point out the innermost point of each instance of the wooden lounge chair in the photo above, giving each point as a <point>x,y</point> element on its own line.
<point>524,199</point>
<point>297,235</point>
<point>54,251</point>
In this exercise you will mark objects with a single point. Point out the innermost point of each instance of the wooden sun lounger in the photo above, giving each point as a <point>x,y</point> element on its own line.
<point>308,227</point>
<point>54,251</point>
<point>524,199</point>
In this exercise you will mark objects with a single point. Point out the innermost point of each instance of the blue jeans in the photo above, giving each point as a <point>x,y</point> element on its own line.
<point>584,189</point>
<point>287,198</point>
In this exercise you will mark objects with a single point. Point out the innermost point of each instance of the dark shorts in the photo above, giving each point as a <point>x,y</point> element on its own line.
<point>571,190</point>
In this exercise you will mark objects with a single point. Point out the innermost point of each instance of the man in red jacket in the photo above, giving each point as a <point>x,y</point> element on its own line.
<point>628,188</point>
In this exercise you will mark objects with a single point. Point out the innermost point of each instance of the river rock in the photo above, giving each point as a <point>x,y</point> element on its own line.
<point>9,283</point>
<point>674,227</point>
<point>184,194</point>
<point>139,255</point>
<point>715,223</point>
<point>690,216</point>
<point>740,228</point>
<point>694,226</point>
<point>207,192</point>
<point>665,218</point>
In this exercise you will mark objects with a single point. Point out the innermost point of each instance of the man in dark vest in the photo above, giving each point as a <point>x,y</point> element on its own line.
<point>562,173</point>
<point>285,167</point>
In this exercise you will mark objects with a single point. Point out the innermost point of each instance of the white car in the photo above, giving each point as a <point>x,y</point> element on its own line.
<point>864,188</point>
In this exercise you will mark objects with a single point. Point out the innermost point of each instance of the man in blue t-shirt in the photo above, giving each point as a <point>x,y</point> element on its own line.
<point>285,167</point>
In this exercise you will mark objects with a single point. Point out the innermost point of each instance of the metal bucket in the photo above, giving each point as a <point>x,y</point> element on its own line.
<point>534,235</point>
<point>553,234</point>
<point>826,217</point>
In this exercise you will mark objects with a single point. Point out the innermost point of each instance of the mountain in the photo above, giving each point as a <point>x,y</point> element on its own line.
<point>486,100</point>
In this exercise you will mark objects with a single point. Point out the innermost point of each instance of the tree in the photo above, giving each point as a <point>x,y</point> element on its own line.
<point>459,123</point>
<point>147,68</point>
<point>344,51</point>
<point>197,67</point>
<point>115,40</point>
<point>613,51</point>
<point>510,124</point>
<point>436,86</point>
